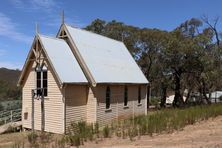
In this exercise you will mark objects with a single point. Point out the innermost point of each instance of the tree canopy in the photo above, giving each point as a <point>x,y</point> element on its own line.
<point>186,58</point>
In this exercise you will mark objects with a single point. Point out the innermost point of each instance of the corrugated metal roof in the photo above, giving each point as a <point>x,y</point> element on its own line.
<point>108,60</point>
<point>63,60</point>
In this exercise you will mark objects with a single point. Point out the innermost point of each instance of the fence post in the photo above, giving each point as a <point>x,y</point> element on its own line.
<point>11,115</point>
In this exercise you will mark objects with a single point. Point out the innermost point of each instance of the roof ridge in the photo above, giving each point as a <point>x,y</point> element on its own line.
<point>50,37</point>
<point>94,33</point>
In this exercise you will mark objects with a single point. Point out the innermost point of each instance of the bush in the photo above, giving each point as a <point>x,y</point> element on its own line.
<point>155,101</point>
<point>11,129</point>
<point>106,131</point>
<point>81,132</point>
<point>45,137</point>
<point>32,138</point>
<point>132,132</point>
<point>61,143</point>
<point>74,140</point>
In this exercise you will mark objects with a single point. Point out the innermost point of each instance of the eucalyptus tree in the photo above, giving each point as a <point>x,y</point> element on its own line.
<point>97,26</point>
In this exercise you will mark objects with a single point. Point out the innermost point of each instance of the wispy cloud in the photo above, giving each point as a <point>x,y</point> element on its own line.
<point>46,5</point>
<point>10,65</point>
<point>9,29</point>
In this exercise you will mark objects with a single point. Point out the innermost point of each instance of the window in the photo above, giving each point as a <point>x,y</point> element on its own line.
<point>45,82</point>
<point>125,96</point>
<point>108,93</point>
<point>41,81</point>
<point>139,95</point>
<point>38,82</point>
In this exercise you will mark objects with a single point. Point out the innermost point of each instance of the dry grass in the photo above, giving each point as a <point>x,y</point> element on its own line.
<point>160,122</point>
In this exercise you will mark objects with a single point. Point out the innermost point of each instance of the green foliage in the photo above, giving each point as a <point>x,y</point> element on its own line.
<point>106,132</point>
<point>45,137</point>
<point>186,58</point>
<point>10,105</point>
<point>220,98</point>
<point>132,132</point>
<point>165,120</point>
<point>80,132</point>
<point>8,81</point>
<point>61,143</point>
<point>154,101</point>
<point>74,140</point>
<point>32,138</point>
<point>1,107</point>
<point>11,129</point>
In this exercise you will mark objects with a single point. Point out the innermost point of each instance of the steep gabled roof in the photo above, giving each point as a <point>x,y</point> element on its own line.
<point>60,59</point>
<point>63,60</point>
<point>108,60</point>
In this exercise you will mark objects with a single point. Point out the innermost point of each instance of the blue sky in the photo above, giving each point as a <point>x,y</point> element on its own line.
<point>18,18</point>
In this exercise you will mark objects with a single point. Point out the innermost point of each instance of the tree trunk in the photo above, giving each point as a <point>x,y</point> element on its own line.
<point>188,96</point>
<point>163,95</point>
<point>178,100</point>
<point>204,92</point>
<point>149,67</point>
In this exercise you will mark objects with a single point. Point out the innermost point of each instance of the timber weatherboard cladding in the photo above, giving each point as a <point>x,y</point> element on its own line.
<point>117,110</point>
<point>76,100</point>
<point>54,105</point>
<point>91,107</point>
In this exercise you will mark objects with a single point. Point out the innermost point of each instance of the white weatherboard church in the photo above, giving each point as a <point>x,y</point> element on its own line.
<point>79,76</point>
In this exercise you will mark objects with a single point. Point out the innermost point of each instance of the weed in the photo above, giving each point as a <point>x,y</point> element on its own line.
<point>18,144</point>
<point>165,120</point>
<point>32,138</point>
<point>106,131</point>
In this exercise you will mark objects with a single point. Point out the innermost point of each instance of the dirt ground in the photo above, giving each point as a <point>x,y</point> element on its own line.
<point>204,134</point>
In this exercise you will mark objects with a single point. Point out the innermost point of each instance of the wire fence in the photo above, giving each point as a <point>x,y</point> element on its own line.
<point>10,116</point>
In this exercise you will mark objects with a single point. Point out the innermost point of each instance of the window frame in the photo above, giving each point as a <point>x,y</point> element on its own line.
<point>45,85</point>
<point>108,98</point>
<point>41,72</point>
<point>139,95</point>
<point>125,102</point>
<point>38,83</point>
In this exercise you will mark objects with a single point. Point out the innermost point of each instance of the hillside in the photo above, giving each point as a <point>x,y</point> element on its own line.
<point>8,84</point>
<point>9,75</point>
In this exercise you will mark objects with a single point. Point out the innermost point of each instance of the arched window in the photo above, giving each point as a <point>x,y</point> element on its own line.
<point>125,96</point>
<point>41,80</point>
<point>108,94</point>
<point>139,95</point>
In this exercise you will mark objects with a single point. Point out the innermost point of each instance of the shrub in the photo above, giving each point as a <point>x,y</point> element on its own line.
<point>132,132</point>
<point>45,137</point>
<point>75,140</point>
<point>106,131</point>
<point>11,129</point>
<point>60,143</point>
<point>96,127</point>
<point>32,138</point>
<point>81,132</point>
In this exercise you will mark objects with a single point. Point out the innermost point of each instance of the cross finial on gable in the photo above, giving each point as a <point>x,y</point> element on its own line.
<point>36,28</point>
<point>62,17</point>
